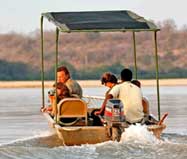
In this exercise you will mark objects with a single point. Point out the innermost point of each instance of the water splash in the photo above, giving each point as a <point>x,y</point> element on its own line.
<point>136,142</point>
<point>139,134</point>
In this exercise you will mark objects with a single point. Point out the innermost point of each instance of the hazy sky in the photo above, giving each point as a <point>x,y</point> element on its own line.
<point>23,16</point>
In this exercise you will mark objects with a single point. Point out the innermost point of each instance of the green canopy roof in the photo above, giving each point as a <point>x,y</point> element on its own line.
<point>99,21</point>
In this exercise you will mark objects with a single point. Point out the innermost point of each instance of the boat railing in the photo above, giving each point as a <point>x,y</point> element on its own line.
<point>93,101</point>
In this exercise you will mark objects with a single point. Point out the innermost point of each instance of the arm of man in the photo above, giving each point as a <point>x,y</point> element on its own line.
<point>101,111</point>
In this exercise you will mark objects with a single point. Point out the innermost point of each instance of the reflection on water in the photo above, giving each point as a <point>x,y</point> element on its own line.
<point>24,132</point>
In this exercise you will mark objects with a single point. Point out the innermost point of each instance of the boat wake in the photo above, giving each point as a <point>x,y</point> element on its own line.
<point>139,133</point>
<point>41,139</point>
<point>136,141</point>
<point>134,134</point>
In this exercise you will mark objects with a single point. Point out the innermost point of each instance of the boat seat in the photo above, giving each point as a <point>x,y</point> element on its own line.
<point>72,108</point>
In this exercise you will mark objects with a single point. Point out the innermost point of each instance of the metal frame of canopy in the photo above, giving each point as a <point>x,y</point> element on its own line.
<point>63,28</point>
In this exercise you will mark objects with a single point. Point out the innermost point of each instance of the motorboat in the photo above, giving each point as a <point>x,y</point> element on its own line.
<point>81,129</point>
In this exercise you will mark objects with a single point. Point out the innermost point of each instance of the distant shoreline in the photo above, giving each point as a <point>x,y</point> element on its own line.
<point>89,83</point>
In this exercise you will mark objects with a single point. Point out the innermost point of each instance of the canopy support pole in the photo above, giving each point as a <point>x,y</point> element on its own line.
<point>42,62</point>
<point>134,48</point>
<point>56,66</point>
<point>157,72</point>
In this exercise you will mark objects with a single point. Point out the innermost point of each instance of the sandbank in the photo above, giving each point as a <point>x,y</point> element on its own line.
<point>88,83</point>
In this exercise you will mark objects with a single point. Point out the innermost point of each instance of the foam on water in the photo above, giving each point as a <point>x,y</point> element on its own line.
<point>138,133</point>
<point>136,141</point>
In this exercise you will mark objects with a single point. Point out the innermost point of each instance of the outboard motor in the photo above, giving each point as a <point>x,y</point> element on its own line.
<point>114,112</point>
<point>115,118</point>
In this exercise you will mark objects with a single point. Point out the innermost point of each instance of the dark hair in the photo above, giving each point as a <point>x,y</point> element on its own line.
<point>64,89</point>
<point>126,75</point>
<point>64,69</point>
<point>136,82</point>
<point>108,77</point>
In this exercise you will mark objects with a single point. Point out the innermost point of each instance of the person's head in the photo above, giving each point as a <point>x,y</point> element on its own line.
<point>62,74</point>
<point>108,79</point>
<point>126,75</point>
<point>136,82</point>
<point>62,90</point>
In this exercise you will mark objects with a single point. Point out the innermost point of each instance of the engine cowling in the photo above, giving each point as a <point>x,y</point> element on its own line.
<point>114,112</point>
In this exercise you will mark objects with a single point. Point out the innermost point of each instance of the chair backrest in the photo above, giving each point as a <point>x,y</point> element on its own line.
<point>72,107</point>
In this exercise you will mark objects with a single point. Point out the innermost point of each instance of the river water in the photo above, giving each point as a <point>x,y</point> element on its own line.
<point>24,132</point>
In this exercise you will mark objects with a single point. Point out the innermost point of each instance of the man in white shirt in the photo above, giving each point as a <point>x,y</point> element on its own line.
<point>131,97</point>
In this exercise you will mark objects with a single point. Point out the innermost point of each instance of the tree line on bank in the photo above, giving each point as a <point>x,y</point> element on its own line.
<point>19,71</point>
<point>89,55</point>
